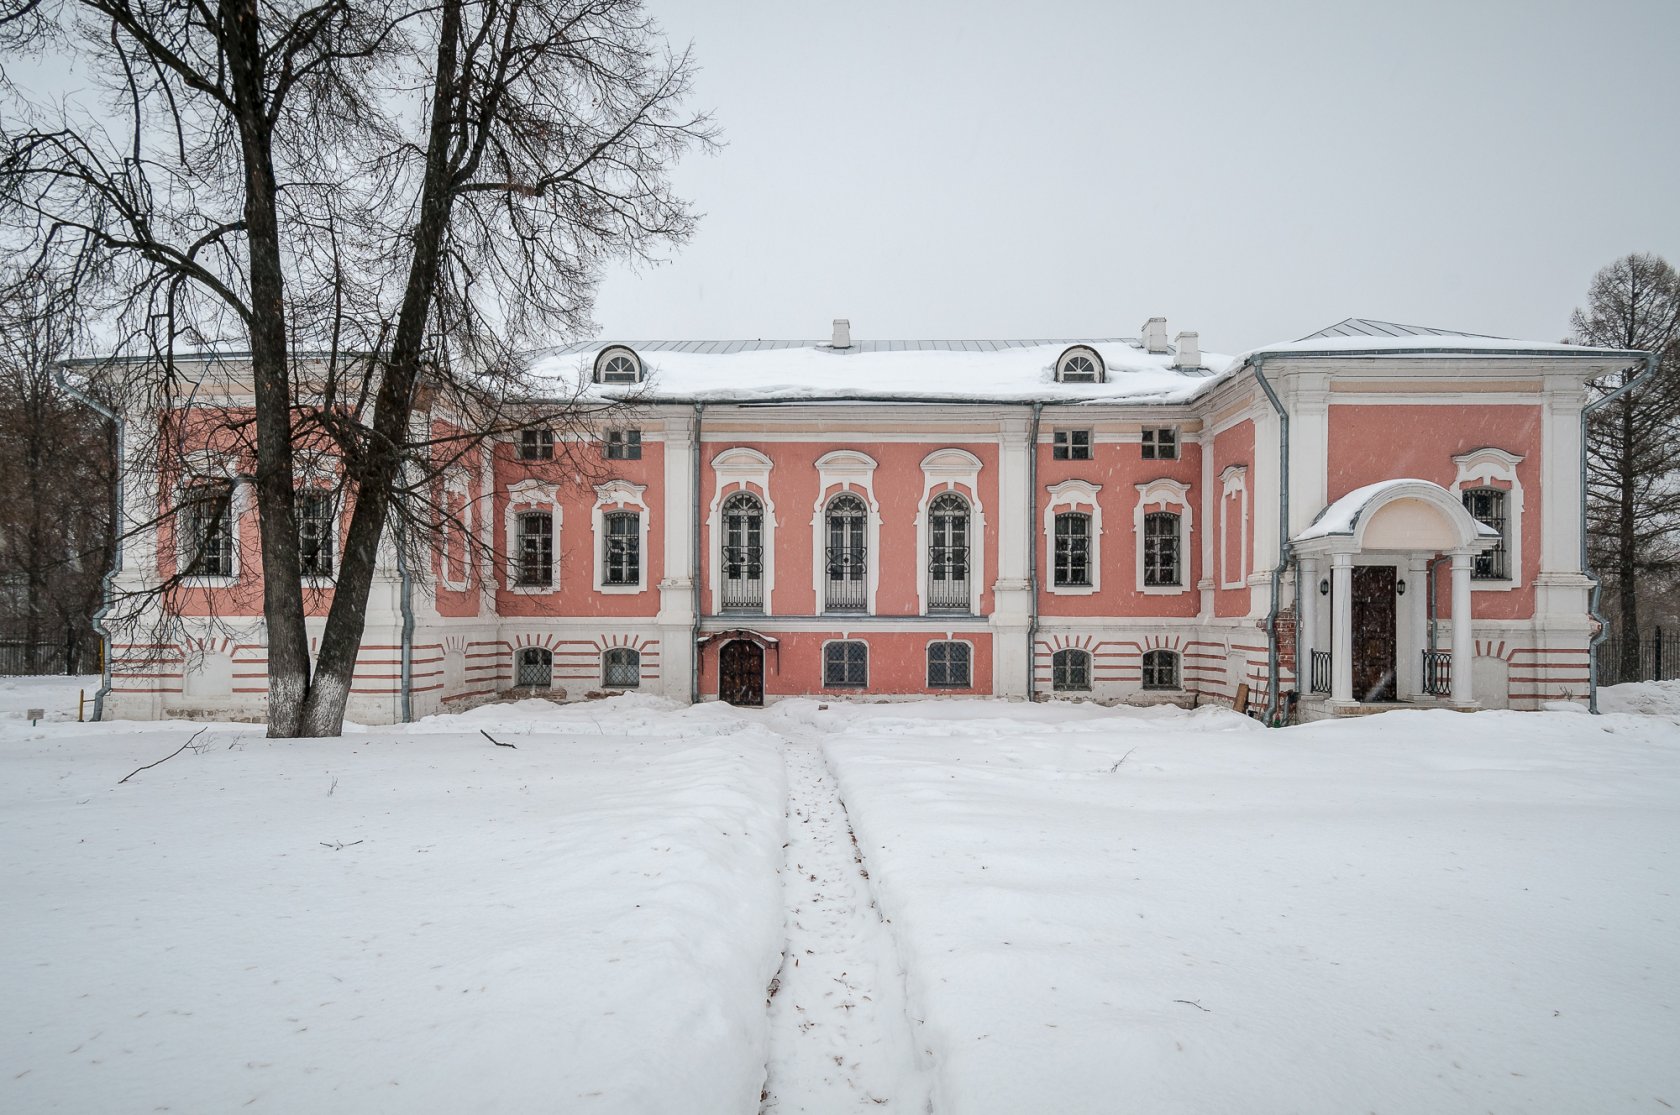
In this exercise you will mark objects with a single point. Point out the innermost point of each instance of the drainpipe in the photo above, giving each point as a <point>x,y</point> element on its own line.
<point>116,535</point>
<point>1032,551</point>
<point>694,562</point>
<point>1274,699</point>
<point>1592,606</point>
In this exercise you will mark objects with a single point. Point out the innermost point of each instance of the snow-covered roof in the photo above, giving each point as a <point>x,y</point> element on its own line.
<point>1368,336</point>
<point>1342,516</point>
<point>932,371</point>
<point>1371,327</point>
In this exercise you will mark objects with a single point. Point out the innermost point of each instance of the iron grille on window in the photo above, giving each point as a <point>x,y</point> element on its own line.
<point>948,665</point>
<point>847,556</point>
<point>1160,444</point>
<point>1160,670</point>
<point>621,668</point>
<point>1071,445</point>
<point>1073,549</point>
<point>624,445</point>
<point>315,533</point>
<point>1070,671</point>
<point>207,524</point>
<point>743,553</point>
<point>536,445</point>
<point>535,668</point>
<point>846,665</point>
<point>1487,505</point>
<point>536,548</point>
<point>948,555</point>
<point>623,557</point>
<point>1160,548</point>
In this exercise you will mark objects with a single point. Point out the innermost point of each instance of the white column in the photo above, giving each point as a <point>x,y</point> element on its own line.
<point>1306,621</point>
<point>677,596</point>
<point>1011,617</point>
<point>1417,619</point>
<point>1341,628</point>
<point>1461,636</point>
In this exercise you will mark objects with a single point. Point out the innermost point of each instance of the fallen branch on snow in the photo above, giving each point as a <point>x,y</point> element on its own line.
<point>494,740</point>
<point>165,759</point>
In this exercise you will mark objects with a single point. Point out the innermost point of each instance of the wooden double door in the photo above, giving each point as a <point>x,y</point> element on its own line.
<point>1374,658</point>
<point>741,673</point>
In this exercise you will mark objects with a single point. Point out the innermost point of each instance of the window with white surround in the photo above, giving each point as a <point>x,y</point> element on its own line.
<point>845,530</point>
<point>618,365</point>
<point>845,664</point>
<point>1070,445</point>
<point>1073,538</point>
<point>1070,671</point>
<point>948,550</point>
<point>741,529</point>
<point>846,555</point>
<point>620,519</point>
<point>317,532</point>
<point>1160,669</point>
<point>1492,492</point>
<point>1233,527</point>
<point>1161,523</point>
<point>742,554</point>
<point>1080,364</point>
<point>950,532</point>
<point>949,665</point>
<point>206,529</point>
<point>531,527</point>
<point>621,668</point>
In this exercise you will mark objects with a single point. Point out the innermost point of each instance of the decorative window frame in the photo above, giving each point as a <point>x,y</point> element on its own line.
<point>822,665</point>
<point>1090,354</point>
<point>1081,496</point>
<point>845,470</point>
<point>1177,658</point>
<point>207,466</point>
<point>528,496</point>
<point>609,353</point>
<point>927,666</point>
<point>619,495</point>
<point>1090,670</point>
<point>1165,495</point>
<point>1489,467</point>
<point>456,486</point>
<point>957,471</point>
<point>1233,496</point>
<point>741,470</point>
<point>608,652</point>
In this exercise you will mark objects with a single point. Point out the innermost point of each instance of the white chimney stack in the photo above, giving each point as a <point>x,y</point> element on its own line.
<point>842,333</point>
<point>1155,335</point>
<point>1189,351</point>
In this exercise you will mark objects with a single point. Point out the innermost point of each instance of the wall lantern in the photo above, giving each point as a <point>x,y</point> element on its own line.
<point>1324,587</point>
<point>1400,588</point>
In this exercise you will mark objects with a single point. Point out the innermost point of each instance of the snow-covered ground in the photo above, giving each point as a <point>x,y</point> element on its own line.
<point>1056,908</point>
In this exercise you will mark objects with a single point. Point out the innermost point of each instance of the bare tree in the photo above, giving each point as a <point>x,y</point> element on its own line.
<point>1633,446</point>
<point>387,202</point>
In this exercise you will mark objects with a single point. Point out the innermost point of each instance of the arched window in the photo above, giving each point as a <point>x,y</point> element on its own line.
<point>1071,671</point>
<point>1487,505</point>
<point>621,668</point>
<point>1079,365</point>
<point>621,559</point>
<point>1073,548</point>
<point>618,365</point>
<point>948,562</point>
<point>534,668</point>
<point>743,553</point>
<point>1161,549</point>
<point>847,555</point>
<point>1160,669</point>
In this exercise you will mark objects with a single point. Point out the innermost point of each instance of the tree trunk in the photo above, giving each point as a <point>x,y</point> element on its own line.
<point>1626,569</point>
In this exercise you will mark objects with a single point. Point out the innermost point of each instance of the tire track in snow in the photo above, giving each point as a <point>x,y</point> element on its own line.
<point>840,1039</point>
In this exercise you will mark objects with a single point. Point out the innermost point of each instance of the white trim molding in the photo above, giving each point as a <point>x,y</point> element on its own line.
<point>958,471</point>
<point>1233,511</point>
<point>741,470</point>
<point>1489,467</point>
<point>528,496</point>
<point>846,470</point>
<point>457,502</point>
<point>1166,495</point>
<point>619,495</point>
<point>1081,496</point>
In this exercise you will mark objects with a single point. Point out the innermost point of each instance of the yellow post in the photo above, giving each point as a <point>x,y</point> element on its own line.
<point>81,703</point>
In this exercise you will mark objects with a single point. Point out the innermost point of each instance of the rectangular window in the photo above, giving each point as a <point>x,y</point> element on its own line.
<point>1070,671</point>
<point>948,666</point>
<point>1487,505</point>
<point>536,445</point>
<point>315,533</point>
<point>1160,670</point>
<point>1071,445</point>
<point>1160,549</point>
<point>624,445</point>
<point>621,669</point>
<point>536,548</point>
<point>1160,444</point>
<point>622,560</point>
<point>1073,549</point>
<point>846,665</point>
<point>206,526</point>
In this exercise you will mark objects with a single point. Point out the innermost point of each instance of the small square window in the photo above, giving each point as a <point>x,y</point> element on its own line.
<point>948,665</point>
<point>1071,445</point>
<point>1160,670</point>
<point>536,445</point>
<point>624,445</point>
<point>1160,444</point>
<point>846,665</point>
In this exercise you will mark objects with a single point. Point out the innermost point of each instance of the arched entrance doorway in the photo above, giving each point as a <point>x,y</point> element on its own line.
<point>741,673</point>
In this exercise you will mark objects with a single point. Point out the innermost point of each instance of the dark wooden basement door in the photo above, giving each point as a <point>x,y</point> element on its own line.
<point>1373,633</point>
<point>741,673</point>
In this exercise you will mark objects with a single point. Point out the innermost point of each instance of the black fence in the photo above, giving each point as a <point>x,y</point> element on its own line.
<point>20,657</point>
<point>1659,658</point>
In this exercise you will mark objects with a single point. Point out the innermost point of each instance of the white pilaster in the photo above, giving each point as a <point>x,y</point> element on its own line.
<point>1341,628</point>
<point>1012,593</point>
<point>1417,621</point>
<point>677,596</point>
<point>1461,635</point>
<point>1306,621</point>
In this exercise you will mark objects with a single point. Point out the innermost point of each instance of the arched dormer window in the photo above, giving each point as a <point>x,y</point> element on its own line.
<point>618,364</point>
<point>1080,364</point>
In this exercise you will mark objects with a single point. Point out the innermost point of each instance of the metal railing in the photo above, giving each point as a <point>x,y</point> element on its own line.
<point>1658,652</point>
<point>1320,671</point>
<point>743,579</point>
<point>848,585</point>
<point>948,579</point>
<point>1437,673</point>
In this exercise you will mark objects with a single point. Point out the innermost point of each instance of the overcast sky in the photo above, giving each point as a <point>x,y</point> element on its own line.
<point>1253,171</point>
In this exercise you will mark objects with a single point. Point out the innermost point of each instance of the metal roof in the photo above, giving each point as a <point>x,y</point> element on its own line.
<point>724,348</point>
<point>1370,327</point>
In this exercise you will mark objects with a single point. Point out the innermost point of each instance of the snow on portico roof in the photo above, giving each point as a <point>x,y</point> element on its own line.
<point>1370,327</point>
<point>932,371</point>
<point>1341,516</point>
<point>1368,336</point>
